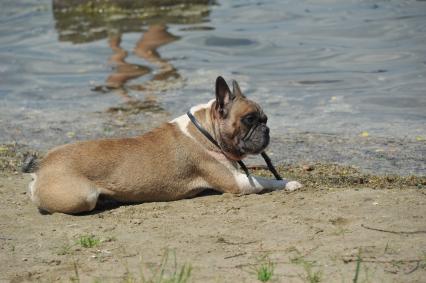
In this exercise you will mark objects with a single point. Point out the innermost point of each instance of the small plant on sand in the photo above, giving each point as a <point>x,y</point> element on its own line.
<point>265,270</point>
<point>165,272</point>
<point>64,250</point>
<point>88,241</point>
<point>358,267</point>
<point>311,275</point>
<point>367,274</point>
<point>76,277</point>
<point>423,262</point>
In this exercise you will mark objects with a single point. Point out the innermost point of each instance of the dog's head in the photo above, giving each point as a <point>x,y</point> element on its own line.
<point>241,123</point>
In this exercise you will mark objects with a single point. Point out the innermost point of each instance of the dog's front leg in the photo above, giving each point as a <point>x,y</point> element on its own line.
<point>227,179</point>
<point>255,184</point>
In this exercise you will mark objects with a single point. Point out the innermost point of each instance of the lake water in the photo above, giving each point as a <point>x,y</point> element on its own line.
<point>341,81</point>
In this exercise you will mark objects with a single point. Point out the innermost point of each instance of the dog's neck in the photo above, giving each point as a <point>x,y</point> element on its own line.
<point>206,119</point>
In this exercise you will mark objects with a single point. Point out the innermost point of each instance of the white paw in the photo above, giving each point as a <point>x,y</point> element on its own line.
<point>292,186</point>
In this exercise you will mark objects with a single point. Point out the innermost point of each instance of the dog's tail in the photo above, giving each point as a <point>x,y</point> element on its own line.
<point>30,163</point>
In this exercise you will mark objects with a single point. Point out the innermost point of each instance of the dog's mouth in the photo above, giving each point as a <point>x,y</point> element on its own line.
<point>255,147</point>
<point>255,141</point>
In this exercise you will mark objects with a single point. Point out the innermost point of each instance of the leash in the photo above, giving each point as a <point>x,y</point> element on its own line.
<point>240,162</point>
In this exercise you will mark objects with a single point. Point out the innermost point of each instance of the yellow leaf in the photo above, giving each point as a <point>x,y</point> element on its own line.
<point>70,134</point>
<point>364,134</point>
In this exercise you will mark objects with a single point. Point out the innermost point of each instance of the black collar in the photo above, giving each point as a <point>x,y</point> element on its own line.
<point>201,129</point>
<point>240,162</point>
<point>207,135</point>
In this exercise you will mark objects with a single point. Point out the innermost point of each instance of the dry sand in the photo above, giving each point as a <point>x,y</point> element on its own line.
<point>316,234</point>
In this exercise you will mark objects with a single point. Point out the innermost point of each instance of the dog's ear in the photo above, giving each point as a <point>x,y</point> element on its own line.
<point>223,96</point>
<point>236,89</point>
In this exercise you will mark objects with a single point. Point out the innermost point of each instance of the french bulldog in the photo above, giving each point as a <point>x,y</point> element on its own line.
<point>174,161</point>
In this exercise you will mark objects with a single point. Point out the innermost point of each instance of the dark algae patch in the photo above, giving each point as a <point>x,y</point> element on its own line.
<point>99,18</point>
<point>135,107</point>
<point>322,175</point>
<point>11,157</point>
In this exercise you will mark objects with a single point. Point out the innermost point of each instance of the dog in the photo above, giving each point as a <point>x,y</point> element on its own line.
<point>174,161</point>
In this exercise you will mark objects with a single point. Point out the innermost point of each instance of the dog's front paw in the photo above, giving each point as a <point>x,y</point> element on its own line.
<point>292,186</point>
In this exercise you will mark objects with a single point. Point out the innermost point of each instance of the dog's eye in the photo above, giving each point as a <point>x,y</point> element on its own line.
<point>250,120</point>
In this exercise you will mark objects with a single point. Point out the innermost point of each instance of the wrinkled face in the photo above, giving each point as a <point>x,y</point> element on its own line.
<point>241,124</point>
<point>244,130</point>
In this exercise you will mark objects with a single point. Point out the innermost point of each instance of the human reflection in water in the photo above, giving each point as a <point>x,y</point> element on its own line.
<point>156,36</point>
<point>146,48</point>
<point>84,21</point>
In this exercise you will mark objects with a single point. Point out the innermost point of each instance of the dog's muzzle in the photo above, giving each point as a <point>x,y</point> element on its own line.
<point>256,139</point>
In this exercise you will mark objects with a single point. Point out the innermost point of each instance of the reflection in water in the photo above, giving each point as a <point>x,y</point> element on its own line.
<point>123,71</point>
<point>82,21</point>
<point>146,48</point>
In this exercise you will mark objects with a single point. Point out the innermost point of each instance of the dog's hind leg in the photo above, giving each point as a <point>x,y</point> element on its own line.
<point>69,195</point>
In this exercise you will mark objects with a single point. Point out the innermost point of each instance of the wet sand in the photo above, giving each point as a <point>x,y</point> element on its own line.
<point>371,154</point>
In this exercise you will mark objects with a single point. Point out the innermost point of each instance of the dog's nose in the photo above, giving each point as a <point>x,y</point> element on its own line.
<point>266,130</point>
